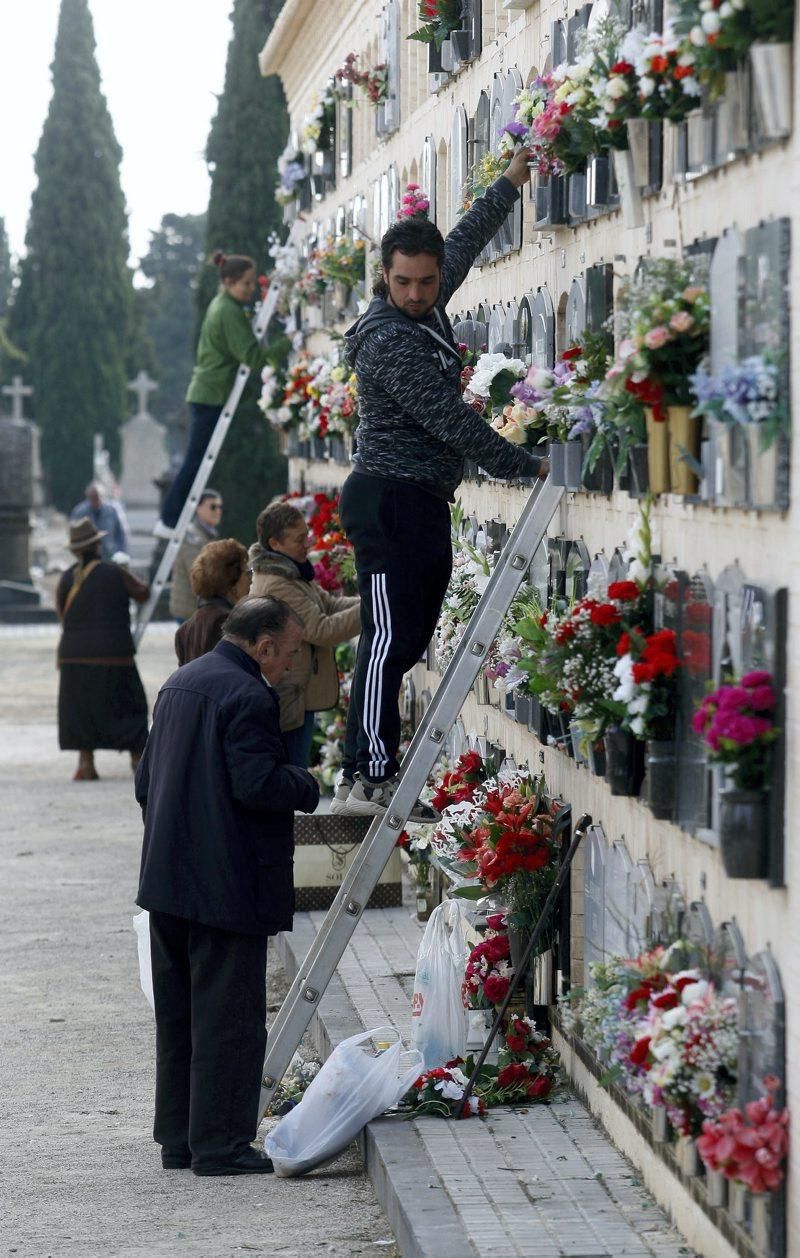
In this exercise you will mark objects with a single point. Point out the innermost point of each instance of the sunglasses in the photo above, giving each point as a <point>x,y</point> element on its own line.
<point>215,506</point>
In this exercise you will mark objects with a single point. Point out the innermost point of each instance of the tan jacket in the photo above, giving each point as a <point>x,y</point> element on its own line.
<point>312,683</point>
<point>182,602</point>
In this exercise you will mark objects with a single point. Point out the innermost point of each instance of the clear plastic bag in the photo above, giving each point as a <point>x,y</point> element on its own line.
<point>355,1085</point>
<point>438,1016</point>
<point>141,924</point>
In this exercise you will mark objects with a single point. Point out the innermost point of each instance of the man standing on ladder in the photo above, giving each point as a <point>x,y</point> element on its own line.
<point>413,435</point>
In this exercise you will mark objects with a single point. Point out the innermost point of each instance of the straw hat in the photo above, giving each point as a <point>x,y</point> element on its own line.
<point>83,534</point>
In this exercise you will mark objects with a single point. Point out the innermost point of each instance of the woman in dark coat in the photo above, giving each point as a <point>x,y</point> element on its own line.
<point>219,578</point>
<point>101,700</point>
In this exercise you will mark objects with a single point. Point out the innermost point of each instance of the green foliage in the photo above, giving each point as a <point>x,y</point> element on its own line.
<point>73,313</point>
<point>246,138</point>
<point>6,272</point>
<point>166,309</point>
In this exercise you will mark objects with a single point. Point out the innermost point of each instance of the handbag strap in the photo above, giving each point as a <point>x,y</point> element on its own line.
<point>78,581</point>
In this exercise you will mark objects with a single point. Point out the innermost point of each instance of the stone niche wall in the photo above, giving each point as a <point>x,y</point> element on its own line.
<point>565,250</point>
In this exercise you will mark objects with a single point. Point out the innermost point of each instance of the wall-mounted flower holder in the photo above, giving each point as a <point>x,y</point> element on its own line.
<point>660,1124</point>
<point>772,85</point>
<point>716,1188</point>
<point>659,785</point>
<point>743,833</point>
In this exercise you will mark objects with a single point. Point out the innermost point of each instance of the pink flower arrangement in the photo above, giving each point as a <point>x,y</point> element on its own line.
<point>737,723</point>
<point>749,1148</point>
<point>414,203</point>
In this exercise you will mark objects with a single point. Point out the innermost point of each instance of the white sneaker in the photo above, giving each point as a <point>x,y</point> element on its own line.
<point>162,530</point>
<point>341,795</point>
<point>368,799</point>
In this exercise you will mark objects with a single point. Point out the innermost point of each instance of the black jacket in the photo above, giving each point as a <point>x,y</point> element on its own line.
<point>218,799</point>
<point>413,424</point>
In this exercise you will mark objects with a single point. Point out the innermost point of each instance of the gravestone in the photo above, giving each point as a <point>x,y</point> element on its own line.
<point>642,901</point>
<point>577,571</point>
<point>766,330</point>
<point>144,452</point>
<point>730,959</point>
<point>544,330</point>
<point>16,500</point>
<point>594,872</point>
<point>616,907</point>
<point>698,931</point>
<point>598,579</point>
<point>575,321</point>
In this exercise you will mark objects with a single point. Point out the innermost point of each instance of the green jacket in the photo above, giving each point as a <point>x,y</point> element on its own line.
<point>226,340</point>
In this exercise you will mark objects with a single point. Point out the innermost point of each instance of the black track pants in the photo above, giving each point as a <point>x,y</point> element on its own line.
<point>401,538</point>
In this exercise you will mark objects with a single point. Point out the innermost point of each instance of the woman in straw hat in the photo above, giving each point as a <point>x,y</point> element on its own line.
<point>101,700</point>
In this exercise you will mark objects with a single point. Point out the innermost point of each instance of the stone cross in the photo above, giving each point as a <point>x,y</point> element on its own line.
<point>142,386</point>
<point>17,391</point>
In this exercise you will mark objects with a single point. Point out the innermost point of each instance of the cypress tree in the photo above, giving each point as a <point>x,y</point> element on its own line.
<point>74,307</point>
<point>167,310</point>
<point>6,272</point>
<point>246,138</point>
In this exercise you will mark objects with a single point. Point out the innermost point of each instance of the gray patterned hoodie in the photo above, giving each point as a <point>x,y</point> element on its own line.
<point>413,424</point>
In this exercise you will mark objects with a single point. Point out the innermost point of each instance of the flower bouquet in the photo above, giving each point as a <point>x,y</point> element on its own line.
<point>291,174</point>
<point>492,380</point>
<point>688,1045</point>
<point>439,19</point>
<point>737,723</point>
<point>374,82</point>
<point>749,1148</point>
<point>342,261</point>
<point>414,203</point>
<point>665,320</point>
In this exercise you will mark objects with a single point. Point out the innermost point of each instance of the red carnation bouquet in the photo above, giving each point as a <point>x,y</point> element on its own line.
<point>460,784</point>
<point>749,1148</point>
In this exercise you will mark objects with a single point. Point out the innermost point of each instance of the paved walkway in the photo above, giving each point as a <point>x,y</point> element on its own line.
<point>79,1172</point>
<point>538,1182</point>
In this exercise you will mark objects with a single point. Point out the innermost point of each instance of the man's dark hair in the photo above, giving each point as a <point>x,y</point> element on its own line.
<point>206,494</point>
<point>254,617</point>
<point>410,236</point>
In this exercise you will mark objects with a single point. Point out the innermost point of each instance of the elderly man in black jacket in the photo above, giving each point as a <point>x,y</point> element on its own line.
<point>218,799</point>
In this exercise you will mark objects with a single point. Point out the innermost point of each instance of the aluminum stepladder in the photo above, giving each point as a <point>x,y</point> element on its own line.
<point>342,918</point>
<point>164,571</point>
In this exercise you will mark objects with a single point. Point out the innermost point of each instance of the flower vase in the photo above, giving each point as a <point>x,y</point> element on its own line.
<point>638,470</point>
<point>737,1201</point>
<point>659,785</point>
<point>660,1124</point>
<point>688,1157</point>
<point>573,463</point>
<point>543,993</point>
<point>597,757</point>
<point>630,198</point>
<point>772,85</point>
<point>716,1188</point>
<point>557,456</point>
<point>732,115</point>
<point>424,902</point>
<point>476,1029</point>
<point>762,469</point>
<point>658,461</point>
<point>759,1221</point>
<point>684,439</point>
<point>624,762</point>
<point>578,743</point>
<point>601,478</point>
<point>743,833</point>
<point>341,292</point>
<point>638,130</point>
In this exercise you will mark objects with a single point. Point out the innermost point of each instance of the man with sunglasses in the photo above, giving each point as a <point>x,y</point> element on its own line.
<point>203,529</point>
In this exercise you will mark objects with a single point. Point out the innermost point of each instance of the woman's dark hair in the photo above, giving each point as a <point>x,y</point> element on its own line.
<point>276,520</point>
<point>217,568</point>
<point>232,266</point>
<point>410,236</point>
<point>254,617</point>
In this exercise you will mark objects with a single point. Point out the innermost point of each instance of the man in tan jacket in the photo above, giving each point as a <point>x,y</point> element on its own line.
<point>281,569</point>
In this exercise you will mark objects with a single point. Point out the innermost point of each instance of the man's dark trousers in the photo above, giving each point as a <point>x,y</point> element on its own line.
<point>401,538</point>
<point>211,1009</point>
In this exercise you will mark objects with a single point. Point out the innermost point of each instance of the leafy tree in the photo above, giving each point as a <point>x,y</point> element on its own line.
<point>167,310</point>
<point>73,312</point>
<point>246,138</point>
<point>6,271</point>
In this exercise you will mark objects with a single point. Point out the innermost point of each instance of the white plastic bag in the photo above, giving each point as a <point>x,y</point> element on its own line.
<point>141,924</point>
<point>355,1085</point>
<point>438,1016</point>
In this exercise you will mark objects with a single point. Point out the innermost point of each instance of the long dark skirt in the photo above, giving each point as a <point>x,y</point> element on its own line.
<point>101,706</point>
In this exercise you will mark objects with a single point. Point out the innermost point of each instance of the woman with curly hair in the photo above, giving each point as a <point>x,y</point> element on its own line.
<point>219,578</point>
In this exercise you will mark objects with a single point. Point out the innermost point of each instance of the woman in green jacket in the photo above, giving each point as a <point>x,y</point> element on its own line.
<point>226,341</point>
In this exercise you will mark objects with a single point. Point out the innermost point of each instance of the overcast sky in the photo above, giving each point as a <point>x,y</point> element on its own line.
<point>161,63</point>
